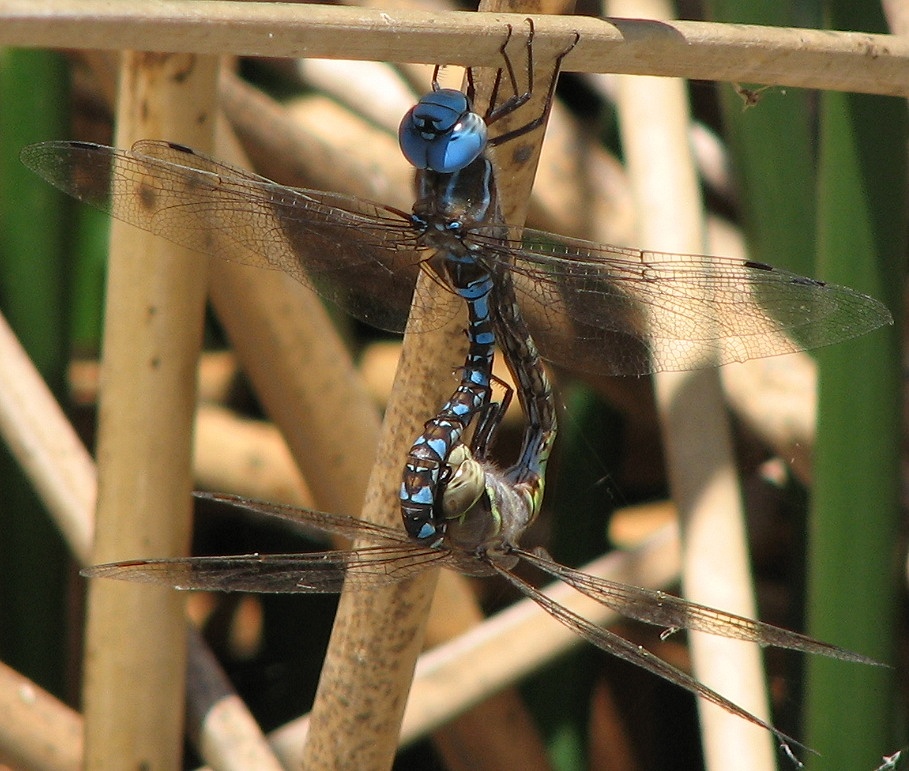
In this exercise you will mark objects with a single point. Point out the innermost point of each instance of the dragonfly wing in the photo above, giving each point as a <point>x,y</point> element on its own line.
<point>360,255</point>
<point>626,311</point>
<point>335,524</point>
<point>394,558</point>
<point>670,612</point>
<point>316,573</point>
<point>634,654</point>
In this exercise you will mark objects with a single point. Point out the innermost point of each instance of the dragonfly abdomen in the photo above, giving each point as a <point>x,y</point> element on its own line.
<point>427,461</point>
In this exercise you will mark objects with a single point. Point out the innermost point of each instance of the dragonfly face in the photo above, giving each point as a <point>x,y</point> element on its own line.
<point>441,132</point>
<point>483,514</point>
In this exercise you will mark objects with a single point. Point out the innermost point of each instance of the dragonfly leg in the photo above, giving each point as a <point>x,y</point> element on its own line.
<point>435,77</point>
<point>519,99</point>
<point>489,421</point>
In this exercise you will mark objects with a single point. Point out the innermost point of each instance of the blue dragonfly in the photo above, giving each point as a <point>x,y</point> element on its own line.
<point>592,307</point>
<point>487,512</point>
<point>479,515</point>
<point>447,142</point>
<point>588,306</point>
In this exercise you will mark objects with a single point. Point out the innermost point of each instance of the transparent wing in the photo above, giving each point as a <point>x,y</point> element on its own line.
<point>623,311</point>
<point>393,559</point>
<point>673,613</point>
<point>360,255</point>
<point>634,654</point>
<point>335,524</point>
<point>316,573</point>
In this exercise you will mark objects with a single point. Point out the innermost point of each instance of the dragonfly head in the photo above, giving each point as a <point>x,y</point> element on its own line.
<point>441,133</point>
<point>464,486</point>
<point>481,510</point>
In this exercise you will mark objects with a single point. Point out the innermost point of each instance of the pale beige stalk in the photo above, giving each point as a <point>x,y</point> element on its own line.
<point>654,117</point>
<point>359,706</point>
<point>803,58</point>
<point>37,732</point>
<point>134,661</point>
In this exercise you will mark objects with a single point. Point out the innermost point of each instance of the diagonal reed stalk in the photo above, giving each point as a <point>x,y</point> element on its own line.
<point>362,688</point>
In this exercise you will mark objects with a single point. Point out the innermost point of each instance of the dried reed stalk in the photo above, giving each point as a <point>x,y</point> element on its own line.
<point>37,732</point>
<point>803,58</point>
<point>133,694</point>
<point>247,457</point>
<point>653,113</point>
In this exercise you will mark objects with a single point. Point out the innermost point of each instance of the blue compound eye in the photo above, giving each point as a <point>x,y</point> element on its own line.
<point>440,133</point>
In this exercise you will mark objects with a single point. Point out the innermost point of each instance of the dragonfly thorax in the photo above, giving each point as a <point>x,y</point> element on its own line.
<point>442,133</point>
<point>451,205</point>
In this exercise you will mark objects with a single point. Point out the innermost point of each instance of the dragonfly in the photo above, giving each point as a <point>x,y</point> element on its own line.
<point>448,143</point>
<point>481,541</point>
<point>588,306</point>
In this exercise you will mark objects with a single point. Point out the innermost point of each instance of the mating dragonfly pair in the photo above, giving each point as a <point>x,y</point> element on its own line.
<point>583,305</point>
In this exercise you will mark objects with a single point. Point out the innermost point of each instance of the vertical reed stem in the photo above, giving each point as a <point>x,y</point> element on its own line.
<point>135,663</point>
<point>702,472</point>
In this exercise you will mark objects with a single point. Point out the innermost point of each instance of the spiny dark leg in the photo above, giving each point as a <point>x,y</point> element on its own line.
<point>471,87</point>
<point>490,420</point>
<point>518,100</point>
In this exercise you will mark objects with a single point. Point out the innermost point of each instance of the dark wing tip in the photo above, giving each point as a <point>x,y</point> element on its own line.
<point>181,148</point>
